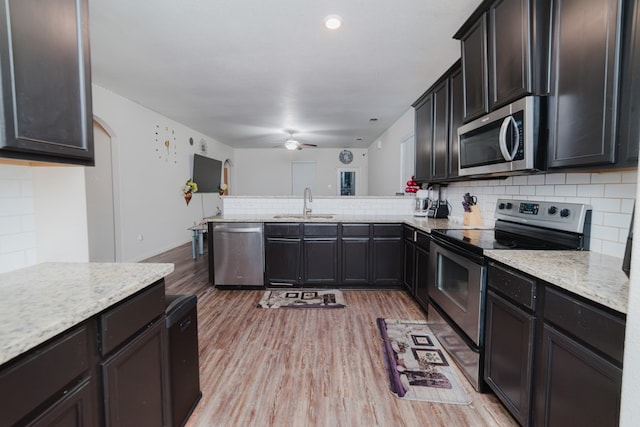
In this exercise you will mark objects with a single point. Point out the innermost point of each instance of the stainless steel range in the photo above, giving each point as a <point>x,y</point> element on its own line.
<point>457,291</point>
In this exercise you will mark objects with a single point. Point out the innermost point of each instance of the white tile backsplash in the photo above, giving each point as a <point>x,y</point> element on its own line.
<point>321,205</point>
<point>611,195</point>
<point>17,221</point>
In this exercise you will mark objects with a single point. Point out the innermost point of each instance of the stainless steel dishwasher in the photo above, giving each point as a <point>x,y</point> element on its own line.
<point>238,254</point>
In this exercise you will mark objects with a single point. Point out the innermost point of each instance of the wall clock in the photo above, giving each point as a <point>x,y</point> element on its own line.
<point>346,157</point>
<point>166,144</point>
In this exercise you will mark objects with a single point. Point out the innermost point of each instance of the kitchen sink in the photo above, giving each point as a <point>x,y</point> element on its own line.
<point>301,216</point>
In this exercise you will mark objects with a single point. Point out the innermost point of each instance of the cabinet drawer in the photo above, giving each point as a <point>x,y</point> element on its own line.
<point>75,407</point>
<point>321,230</point>
<point>519,288</point>
<point>586,322</point>
<point>387,230</point>
<point>355,230</point>
<point>408,233</point>
<point>287,229</point>
<point>124,320</point>
<point>423,240</point>
<point>43,374</point>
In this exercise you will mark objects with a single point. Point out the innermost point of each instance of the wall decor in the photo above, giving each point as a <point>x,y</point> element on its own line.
<point>166,144</point>
<point>203,146</point>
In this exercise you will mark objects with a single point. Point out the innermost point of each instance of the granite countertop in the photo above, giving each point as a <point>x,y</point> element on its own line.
<point>39,302</point>
<point>595,276</point>
<point>422,223</point>
<point>592,275</point>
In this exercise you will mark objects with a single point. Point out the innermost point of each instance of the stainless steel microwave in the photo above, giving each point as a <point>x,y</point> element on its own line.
<point>503,142</point>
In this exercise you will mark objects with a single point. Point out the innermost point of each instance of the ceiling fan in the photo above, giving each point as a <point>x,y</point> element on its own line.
<point>293,144</point>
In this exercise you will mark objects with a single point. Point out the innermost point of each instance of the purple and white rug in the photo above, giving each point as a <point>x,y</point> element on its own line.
<point>417,365</point>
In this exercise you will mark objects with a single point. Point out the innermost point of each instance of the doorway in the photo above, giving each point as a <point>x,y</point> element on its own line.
<point>101,221</point>
<point>348,182</point>
<point>407,161</point>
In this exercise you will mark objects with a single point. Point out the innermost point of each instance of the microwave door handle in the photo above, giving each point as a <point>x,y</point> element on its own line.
<point>509,156</point>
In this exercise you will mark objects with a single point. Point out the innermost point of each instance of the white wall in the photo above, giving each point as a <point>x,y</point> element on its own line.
<point>43,209</point>
<point>384,157</point>
<point>61,214</point>
<point>267,172</point>
<point>150,176</point>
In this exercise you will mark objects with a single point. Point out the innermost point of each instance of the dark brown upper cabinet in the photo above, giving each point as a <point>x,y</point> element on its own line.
<point>423,137</point>
<point>46,113</point>
<point>440,149</point>
<point>438,115</point>
<point>583,101</point>
<point>504,45</point>
<point>456,101</point>
<point>510,51</point>
<point>474,69</point>
<point>629,131</point>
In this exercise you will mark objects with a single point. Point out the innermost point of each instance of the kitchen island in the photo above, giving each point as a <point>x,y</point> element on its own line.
<point>77,339</point>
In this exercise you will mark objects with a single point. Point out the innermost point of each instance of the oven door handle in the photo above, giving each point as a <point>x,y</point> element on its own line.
<point>476,259</point>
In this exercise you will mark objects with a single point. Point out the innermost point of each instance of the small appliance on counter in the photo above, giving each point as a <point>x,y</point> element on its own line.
<point>422,203</point>
<point>439,208</point>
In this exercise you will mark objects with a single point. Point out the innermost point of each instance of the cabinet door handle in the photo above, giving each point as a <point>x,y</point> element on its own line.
<point>185,324</point>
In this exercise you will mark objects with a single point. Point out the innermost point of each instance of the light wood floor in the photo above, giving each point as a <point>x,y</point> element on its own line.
<point>288,367</point>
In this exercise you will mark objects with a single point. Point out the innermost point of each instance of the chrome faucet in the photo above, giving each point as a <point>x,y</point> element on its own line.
<point>307,208</point>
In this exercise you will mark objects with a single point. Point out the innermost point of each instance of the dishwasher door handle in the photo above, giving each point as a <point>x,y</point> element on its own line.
<point>223,229</point>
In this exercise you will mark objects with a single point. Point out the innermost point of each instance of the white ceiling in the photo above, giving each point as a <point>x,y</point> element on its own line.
<point>246,71</point>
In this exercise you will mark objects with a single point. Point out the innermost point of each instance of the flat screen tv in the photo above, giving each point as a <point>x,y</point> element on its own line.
<point>206,173</point>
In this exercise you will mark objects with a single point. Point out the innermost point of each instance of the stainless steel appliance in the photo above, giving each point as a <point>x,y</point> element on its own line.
<point>422,203</point>
<point>439,208</point>
<point>505,141</point>
<point>238,255</point>
<point>457,291</point>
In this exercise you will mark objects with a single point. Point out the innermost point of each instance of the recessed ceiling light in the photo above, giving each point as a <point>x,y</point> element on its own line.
<point>333,22</point>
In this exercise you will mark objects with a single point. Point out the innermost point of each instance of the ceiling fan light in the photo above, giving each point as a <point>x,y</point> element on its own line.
<point>291,144</point>
<point>333,22</point>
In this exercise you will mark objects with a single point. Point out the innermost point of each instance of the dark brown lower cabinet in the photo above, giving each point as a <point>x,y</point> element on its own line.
<point>355,260</point>
<point>416,264</point>
<point>74,410</point>
<point>577,387</point>
<point>111,369</point>
<point>409,253</point>
<point>422,277</point>
<point>509,344</point>
<point>283,260</point>
<point>333,254</point>
<point>320,261</point>
<point>387,252</point>
<point>553,358</point>
<point>134,380</point>
<point>45,377</point>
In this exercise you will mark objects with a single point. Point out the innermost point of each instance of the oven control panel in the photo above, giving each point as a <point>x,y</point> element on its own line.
<point>557,215</point>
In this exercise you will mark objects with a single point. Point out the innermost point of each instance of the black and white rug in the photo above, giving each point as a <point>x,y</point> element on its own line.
<point>302,298</point>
